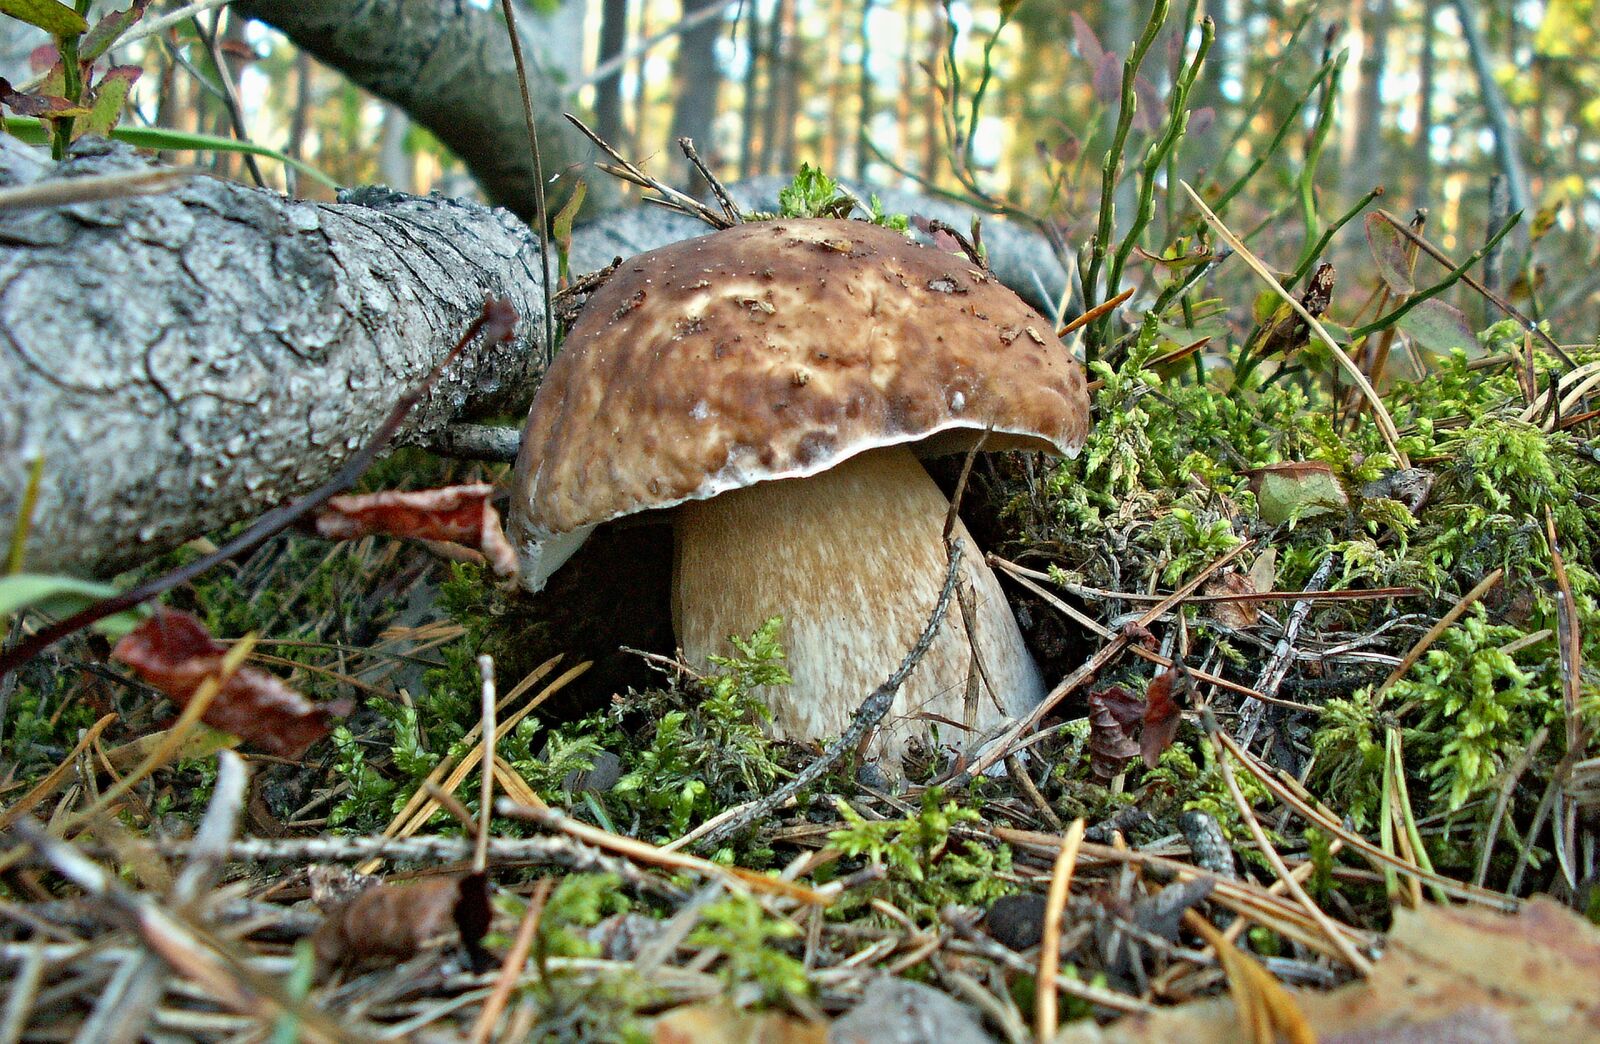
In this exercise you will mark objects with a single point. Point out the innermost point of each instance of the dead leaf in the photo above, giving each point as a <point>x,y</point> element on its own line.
<point>395,922</point>
<point>1112,711</point>
<point>453,514</point>
<point>716,1022</point>
<point>1238,615</point>
<point>1447,973</point>
<point>1266,1011</point>
<point>1264,570</point>
<point>174,652</point>
<point>1161,717</point>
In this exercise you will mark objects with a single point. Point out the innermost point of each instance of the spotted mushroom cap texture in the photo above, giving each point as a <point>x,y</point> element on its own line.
<point>774,350</point>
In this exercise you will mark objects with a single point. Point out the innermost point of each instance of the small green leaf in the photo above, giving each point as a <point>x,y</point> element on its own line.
<point>53,17</point>
<point>1437,326</point>
<point>1295,490</point>
<point>109,30</point>
<point>61,596</point>
<point>109,95</point>
<point>1389,251</point>
<point>561,227</point>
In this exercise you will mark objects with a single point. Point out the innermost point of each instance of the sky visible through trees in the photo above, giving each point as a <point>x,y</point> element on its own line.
<point>1016,103</point>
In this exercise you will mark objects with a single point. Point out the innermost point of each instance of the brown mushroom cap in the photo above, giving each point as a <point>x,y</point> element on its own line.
<point>774,350</point>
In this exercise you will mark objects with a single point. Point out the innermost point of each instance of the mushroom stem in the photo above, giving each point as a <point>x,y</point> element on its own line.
<point>853,559</point>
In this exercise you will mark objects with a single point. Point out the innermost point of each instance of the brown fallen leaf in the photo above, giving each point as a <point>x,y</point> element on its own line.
<point>395,922</point>
<point>1112,712</point>
<point>718,1023</point>
<point>1161,717</point>
<point>453,514</point>
<point>1447,973</point>
<point>174,652</point>
<point>1238,615</point>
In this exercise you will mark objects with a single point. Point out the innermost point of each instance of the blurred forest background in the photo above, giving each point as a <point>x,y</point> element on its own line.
<point>1470,108</point>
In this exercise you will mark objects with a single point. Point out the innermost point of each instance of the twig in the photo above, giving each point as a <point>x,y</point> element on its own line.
<point>872,711</point>
<point>1044,1003</point>
<point>480,851</point>
<point>209,851</point>
<point>1284,792</point>
<point>1499,302</point>
<point>1380,413</point>
<point>729,209</point>
<point>1008,744</point>
<point>653,855</point>
<point>629,172</point>
<point>1019,775</point>
<point>64,191</point>
<point>1277,666</point>
<point>1264,844</point>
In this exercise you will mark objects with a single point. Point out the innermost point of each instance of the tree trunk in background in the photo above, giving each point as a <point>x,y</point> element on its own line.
<point>1508,149</point>
<point>395,168</point>
<point>450,67</point>
<point>697,80</point>
<point>608,92</point>
<point>865,110</point>
<point>1422,146</point>
<point>789,94</point>
<point>1363,139</point>
<point>767,163</point>
<point>831,137</point>
<point>554,36</point>
<point>754,46</point>
<point>933,145</point>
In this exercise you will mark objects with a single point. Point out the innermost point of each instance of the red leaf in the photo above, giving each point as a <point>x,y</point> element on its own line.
<point>34,104</point>
<point>1161,717</point>
<point>41,58</point>
<point>174,652</point>
<point>455,514</point>
<point>1108,79</point>
<point>1112,711</point>
<point>1088,43</point>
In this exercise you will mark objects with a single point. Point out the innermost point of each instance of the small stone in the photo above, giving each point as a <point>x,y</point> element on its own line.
<point>1016,921</point>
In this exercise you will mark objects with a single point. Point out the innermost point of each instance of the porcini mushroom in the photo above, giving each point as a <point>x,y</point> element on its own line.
<point>773,384</point>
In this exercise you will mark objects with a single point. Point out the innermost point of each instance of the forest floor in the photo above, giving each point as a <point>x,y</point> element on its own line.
<point>1324,691</point>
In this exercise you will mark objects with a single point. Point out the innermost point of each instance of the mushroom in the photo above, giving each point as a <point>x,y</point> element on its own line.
<point>773,384</point>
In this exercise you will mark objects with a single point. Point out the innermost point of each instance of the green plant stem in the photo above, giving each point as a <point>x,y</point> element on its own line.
<point>984,76</point>
<point>1385,321</point>
<point>1277,140</point>
<point>1111,169</point>
<point>30,500</point>
<point>161,139</point>
<point>1159,152</point>
<point>1310,258</point>
<point>72,87</point>
<point>1307,182</point>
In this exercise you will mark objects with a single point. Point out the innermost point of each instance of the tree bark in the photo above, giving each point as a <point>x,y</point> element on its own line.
<point>698,80</point>
<point>447,63</point>
<point>184,361</point>
<point>608,92</point>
